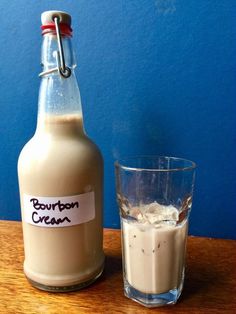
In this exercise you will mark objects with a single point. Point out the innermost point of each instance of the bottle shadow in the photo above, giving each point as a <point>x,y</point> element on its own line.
<point>113,267</point>
<point>111,278</point>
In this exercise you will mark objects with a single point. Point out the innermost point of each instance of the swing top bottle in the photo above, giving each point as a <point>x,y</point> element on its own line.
<point>60,173</point>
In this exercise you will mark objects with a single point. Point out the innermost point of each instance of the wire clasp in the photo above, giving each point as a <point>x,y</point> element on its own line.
<point>62,69</point>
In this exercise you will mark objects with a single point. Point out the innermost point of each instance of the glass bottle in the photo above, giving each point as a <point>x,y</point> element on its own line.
<point>60,173</point>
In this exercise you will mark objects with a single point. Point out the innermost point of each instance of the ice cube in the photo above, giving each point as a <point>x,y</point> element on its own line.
<point>136,213</point>
<point>172,213</point>
<point>123,205</point>
<point>156,213</point>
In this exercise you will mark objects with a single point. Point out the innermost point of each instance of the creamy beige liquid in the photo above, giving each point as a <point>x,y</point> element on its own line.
<point>61,161</point>
<point>153,257</point>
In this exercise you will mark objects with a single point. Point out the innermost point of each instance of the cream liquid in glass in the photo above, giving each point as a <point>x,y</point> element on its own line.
<point>154,256</point>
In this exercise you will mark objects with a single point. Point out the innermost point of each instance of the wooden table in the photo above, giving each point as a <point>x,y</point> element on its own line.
<point>210,285</point>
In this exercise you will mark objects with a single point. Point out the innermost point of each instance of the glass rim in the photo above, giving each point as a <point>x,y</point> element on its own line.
<point>120,163</point>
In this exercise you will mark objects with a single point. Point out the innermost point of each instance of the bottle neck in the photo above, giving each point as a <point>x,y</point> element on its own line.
<point>59,104</point>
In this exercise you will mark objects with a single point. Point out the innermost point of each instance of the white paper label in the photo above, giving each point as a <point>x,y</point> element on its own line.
<point>59,211</point>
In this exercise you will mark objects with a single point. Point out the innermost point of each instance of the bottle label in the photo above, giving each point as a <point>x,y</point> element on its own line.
<point>58,211</point>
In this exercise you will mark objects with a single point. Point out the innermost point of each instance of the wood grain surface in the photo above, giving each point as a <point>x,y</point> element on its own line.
<point>210,285</point>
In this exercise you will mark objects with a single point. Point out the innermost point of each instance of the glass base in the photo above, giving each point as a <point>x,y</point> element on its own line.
<point>69,288</point>
<point>152,300</point>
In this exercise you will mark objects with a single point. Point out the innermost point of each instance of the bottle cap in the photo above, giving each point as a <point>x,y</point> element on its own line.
<point>48,16</point>
<point>48,24</point>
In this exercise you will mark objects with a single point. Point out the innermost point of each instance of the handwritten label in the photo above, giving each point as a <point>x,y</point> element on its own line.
<point>59,211</point>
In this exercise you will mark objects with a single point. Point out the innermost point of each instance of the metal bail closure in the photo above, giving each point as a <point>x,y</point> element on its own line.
<point>62,68</point>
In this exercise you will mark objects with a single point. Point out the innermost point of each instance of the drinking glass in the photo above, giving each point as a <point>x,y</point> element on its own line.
<point>154,195</point>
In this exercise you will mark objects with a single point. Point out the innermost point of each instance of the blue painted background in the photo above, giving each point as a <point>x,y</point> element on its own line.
<point>156,77</point>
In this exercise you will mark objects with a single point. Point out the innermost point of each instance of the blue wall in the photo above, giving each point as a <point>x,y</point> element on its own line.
<point>156,77</point>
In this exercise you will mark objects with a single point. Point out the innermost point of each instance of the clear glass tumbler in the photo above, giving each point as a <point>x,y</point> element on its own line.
<point>154,195</point>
